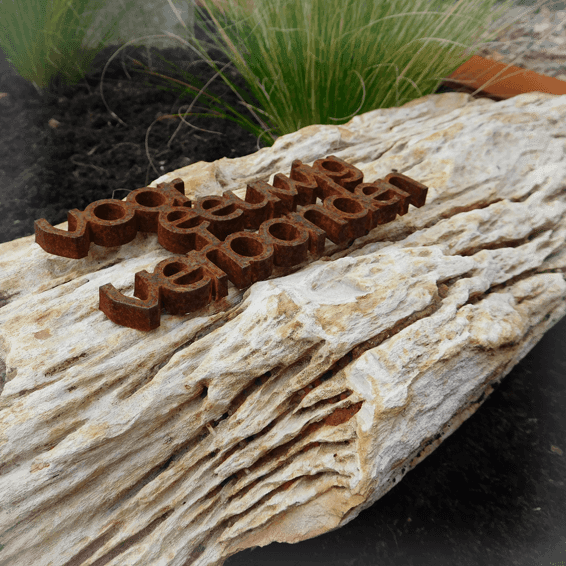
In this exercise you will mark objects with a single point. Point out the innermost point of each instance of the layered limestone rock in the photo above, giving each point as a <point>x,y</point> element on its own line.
<point>282,411</point>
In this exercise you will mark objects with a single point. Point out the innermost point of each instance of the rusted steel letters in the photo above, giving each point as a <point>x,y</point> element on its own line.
<point>224,238</point>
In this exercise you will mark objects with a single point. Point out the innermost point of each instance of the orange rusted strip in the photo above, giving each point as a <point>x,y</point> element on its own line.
<point>221,238</point>
<point>501,81</point>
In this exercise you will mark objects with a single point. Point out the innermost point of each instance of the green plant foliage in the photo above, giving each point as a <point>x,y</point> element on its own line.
<point>46,41</point>
<point>325,61</point>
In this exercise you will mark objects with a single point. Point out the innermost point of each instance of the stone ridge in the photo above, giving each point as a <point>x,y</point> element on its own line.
<point>227,238</point>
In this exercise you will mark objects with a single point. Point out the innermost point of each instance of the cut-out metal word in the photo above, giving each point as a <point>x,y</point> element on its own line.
<point>225,238</point>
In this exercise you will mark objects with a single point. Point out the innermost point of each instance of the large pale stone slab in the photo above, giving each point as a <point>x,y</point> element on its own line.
<point>284,411</point>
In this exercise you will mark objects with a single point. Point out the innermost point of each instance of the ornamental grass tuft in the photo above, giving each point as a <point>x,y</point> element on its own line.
<point>325,61</point>
<point>50,41</point>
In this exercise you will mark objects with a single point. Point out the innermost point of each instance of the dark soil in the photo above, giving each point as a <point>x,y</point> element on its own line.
<point>493,493</point>
<point>47,167</point>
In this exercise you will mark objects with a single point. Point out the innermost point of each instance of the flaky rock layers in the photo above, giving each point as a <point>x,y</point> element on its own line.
<point>282,411</point>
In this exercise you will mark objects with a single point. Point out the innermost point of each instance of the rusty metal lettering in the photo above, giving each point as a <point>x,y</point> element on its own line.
<point>225,238</point>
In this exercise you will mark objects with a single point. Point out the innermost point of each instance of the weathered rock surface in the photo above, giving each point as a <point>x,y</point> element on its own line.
<point>283,411</point>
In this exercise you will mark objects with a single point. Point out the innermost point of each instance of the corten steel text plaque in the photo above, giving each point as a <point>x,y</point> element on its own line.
<point>224,238</point>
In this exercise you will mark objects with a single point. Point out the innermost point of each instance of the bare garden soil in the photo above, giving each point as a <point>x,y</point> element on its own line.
<point>493,493</point>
